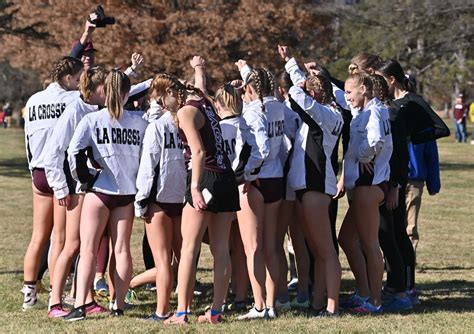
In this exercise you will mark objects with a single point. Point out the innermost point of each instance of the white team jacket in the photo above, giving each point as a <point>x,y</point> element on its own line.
<point>58,142</point>
<point>161,166</point>
<point>259,139</point>
<point>116,146</point>
<point>311,167</point>
<point>229,127</point>
<point>370,141</point>
<point>43,110</point>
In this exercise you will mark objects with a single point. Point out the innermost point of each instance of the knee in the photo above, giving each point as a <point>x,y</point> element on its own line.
<point>252,248</point>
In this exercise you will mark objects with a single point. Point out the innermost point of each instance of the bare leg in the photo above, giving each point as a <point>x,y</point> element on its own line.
<point>271,252</point>
<point>250,219</point>
<point>59,236</point>
<point>287,212</point>
<point>301,252</point>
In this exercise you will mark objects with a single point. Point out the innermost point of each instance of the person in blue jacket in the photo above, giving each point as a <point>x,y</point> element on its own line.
<point>423,168</point>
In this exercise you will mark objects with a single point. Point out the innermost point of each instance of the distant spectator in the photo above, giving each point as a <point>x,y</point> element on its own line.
<point>460,113</point>
<point>7,108</point>
<point>2,115</point>
<point>471,118</point>
<point>423,168</point>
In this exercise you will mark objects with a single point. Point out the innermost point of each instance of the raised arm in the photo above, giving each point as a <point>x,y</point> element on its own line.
<point>89,27</point>
<point>137,63</point>
<point>296,74</point>
<point>197,63</point>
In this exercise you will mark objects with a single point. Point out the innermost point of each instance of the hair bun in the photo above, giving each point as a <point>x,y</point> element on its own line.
<point>353,68</point>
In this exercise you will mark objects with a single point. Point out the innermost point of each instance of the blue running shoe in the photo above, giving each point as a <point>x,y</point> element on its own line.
<point>398,304</point>
<point>367,308</point>
<point>354,301</point>
<point>414,297</point>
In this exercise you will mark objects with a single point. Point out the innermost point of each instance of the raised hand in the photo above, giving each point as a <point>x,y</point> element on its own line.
<point>284,52</point>
<point>137,61</point>
<point>197,61</point>
<point>240,63</point>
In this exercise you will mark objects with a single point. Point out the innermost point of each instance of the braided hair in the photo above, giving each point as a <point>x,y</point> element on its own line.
<point>90,80</point>
<point>117,84</point>
<point>65,66</point>
<point>258,79</point>
<point>228,97</point>
<point>380,88</point>
<point>322,87</point>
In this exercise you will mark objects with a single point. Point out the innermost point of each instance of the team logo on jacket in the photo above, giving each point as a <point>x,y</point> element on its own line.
<point>275,129</point>
<point>172,140</point>
<point>118,136</point>
<point>46,111</point>
<point>337,129</point>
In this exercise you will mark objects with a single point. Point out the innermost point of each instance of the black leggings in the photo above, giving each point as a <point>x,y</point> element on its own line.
<point>402,239</point>
<point>393,258</point>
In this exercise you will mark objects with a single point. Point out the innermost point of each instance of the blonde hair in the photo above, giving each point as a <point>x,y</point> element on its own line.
<point>65,66</point>
<point>117,84</point>
<point>322,86</point>
<point>164,81</point>
<point>364,62</point>
<point>362,79</point>
<point>228,97</point>
<point>90,80</point>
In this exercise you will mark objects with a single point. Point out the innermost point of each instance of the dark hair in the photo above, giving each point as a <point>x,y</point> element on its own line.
<point>392,68</point>
<point>283,80</point>
<point>364,62</point>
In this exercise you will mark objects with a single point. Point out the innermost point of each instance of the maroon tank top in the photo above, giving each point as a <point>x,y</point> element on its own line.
<point>211,136</point>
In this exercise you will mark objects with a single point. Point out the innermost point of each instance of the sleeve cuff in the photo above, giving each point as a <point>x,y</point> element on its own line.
<point>61,193</point>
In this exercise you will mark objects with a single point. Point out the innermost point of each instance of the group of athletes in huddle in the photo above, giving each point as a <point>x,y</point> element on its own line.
<point>238,169</point>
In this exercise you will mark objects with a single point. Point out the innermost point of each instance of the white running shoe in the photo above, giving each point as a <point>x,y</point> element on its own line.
<point>272,313</point>
<point>254,314</point>
<point>30,298</point>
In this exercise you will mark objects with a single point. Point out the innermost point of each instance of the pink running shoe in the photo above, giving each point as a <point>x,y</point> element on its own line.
<point>209,318</point>
<point>93,308</point>
<point>57,312</point>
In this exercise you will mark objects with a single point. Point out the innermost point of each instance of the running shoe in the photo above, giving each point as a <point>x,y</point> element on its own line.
<point>296,304</point>
<point>283,307</point>
<point>30,297</point>
<point>414,297</point>
<point>131,297</point>
<point>236,306</point>
<point>327,314</point>
<point>78,313</point>
<point>398,304</point>
<point>354,301</point>
<point>209,318</point>
<point>254,314</point>
<point>93,308</point>
<point>367,307</point>
<point>157,318</point>
<point>57,311</point>
<point>174,320</point>
<point>101,288</point>
<point>293,284</point>
<point>117,313</point>
<point>272,313</point>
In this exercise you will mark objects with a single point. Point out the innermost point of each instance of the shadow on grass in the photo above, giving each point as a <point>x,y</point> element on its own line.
<point>16,167</point>
<point>445,166</point>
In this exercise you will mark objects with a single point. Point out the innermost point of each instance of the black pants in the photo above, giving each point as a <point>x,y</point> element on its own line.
<point>402,239</point>
<point>394,264</point>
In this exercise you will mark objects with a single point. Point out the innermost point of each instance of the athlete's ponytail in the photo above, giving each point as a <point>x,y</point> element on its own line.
<point>117,84</point>
<point>65,66</point>
<point>392,68</point>
<point>228,97</point>
<point>90,80</point>
<point>262,81</point>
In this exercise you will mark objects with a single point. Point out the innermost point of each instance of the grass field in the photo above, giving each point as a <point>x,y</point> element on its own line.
<point>445,263</point>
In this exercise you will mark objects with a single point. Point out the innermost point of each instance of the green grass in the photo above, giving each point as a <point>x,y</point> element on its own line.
<point>445,262</point>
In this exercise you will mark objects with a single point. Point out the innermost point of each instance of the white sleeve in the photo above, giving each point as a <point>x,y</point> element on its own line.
<point>150,158</point>
<point>244,72</point>
<point>340,97</point>
<point>57,145</point>
<point>374,142</point>
<point>140,87</point>
<point>308,104</point>
<point>259,142</point>
<point>296,75</point>
<point>76,152</point>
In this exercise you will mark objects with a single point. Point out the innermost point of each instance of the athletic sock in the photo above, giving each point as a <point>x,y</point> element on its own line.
<point>181,313</point>
<point>256,309</point>
<point>215,312</point>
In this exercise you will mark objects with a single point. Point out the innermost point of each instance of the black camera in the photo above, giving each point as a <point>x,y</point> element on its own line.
<point>102,20</point>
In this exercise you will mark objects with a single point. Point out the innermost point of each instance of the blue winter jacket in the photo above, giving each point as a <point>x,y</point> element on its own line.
<point>424,165</point>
